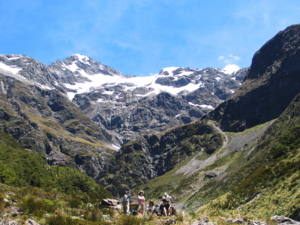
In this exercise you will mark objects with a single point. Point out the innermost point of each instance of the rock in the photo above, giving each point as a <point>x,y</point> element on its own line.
<point>284,220</point>
<point>14,209</point>
<point>211,174</point>
<point>238,220</point>
<point>204,219</point>
<point>8,222</point>
<point>31,222</point>
<point>10,194</point>
<point>46,216</point>
<point>229,220</point>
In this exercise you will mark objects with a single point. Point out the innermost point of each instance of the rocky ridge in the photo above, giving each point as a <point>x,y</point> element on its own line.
<point>138,105</point>
<point>273,76</point>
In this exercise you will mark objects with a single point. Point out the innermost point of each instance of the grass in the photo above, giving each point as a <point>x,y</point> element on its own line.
<point>263,184</point>
<point>267,183</point>
<point>36,203</point>
<point>52,127</point>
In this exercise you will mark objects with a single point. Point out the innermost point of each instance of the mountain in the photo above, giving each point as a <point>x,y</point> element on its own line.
<point>273,76</point>
<point>108,108</point>
<point>245,160</point>
<point>42,119</point>
<point>130,106</point>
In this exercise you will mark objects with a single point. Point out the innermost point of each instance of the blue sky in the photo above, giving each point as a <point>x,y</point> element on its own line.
<point>141,37</point>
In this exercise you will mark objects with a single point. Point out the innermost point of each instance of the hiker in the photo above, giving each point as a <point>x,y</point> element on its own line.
<point>167,197</point>
<point>125,203</point>
<point>151,208</point>
<point>166,208</point>
<point>141,202</point>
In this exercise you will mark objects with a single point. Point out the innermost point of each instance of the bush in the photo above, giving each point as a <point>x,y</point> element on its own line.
<point>37,207</point>
<point>55,220</point>
<point>92,214</point>
<point>75,202</point>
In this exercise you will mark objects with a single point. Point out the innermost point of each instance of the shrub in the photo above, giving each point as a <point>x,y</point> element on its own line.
<point>180,215</point>
<point>92,214</point>
<point>38,207</point>
<point>55,220</point>
<point>75,202</point>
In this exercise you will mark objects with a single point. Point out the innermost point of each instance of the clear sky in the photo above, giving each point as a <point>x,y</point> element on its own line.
<point>141,37</point>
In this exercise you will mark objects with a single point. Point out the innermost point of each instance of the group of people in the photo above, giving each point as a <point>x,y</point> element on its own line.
<point>164,207</point>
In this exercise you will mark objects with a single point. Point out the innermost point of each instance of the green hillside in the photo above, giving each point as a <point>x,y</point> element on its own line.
<point>258,178</point>
<point>21,168</point>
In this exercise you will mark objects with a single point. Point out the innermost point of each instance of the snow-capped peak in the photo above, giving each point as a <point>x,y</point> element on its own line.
<point>82,58</point>
<point>169,70</point>
<point>231,68</point>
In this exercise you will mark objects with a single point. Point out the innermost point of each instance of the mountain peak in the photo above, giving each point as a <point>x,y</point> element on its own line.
<point>81,58</point>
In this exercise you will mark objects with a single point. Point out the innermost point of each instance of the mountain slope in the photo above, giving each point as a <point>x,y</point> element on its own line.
<point>46,122</point>
<point>153,155</point>
<point>270,174</point>
<point>273,76</point>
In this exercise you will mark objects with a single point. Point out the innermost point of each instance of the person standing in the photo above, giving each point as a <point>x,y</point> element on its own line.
<point>141,202</point>
<point>125,203</point>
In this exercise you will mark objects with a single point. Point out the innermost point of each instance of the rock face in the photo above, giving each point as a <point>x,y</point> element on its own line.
<point>268,87</point>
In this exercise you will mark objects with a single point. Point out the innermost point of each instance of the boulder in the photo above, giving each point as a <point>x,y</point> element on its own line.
<point>30,222</point>
<point>284,220</point>
<point>211,174</point>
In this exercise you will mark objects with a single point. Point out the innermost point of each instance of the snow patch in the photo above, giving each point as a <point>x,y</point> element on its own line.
<point>230,69</point>
<point>13,58</point>
<point>177,115</point>
<point>202,106</point>
<point>170,70</point>
<point>71,95</point>
<point>101,79</point>
<point>13,69</point>
<point>116,147</point>
<point>82,58</point>
<point>108,92</point>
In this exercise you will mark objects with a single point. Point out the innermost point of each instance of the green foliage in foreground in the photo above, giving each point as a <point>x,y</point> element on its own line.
<point>21,168</point>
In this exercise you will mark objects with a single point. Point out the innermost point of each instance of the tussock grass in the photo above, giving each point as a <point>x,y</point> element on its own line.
<point>131,220</point>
